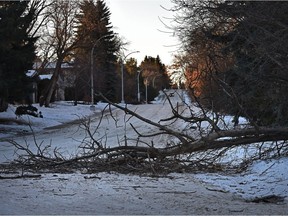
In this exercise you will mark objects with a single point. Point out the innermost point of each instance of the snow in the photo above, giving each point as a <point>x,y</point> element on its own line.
<point>59,113</point>
<point>31,73</point>
<point>45,76</point>
<point>113,193</point>
<point>262,179</point>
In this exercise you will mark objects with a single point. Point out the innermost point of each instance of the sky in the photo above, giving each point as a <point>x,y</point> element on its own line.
<point>138,22</point>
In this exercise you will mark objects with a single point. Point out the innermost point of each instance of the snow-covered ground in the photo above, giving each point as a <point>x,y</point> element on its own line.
<point>112,193</point>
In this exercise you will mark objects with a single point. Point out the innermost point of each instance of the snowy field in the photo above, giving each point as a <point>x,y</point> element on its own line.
<point>112,193</point>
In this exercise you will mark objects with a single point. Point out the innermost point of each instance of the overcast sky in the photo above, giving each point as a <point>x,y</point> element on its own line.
<point>138,22</point>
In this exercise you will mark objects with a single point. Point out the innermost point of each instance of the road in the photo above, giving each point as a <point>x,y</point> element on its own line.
<point>113,128</point>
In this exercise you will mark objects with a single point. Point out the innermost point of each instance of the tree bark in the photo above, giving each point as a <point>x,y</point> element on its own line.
<point>53,83</point>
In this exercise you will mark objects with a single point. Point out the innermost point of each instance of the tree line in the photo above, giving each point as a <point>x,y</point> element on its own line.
<point>234,57</point>
<point>76,32</point>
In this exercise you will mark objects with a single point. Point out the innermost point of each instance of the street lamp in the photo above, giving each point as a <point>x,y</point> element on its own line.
<point>138,92</point>
<point>122,74</point>
<point>92,107</point>
<point>146,89</point>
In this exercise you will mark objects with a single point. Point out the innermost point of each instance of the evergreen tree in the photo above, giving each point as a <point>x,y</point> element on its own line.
<point>95,31</point>
<point>155,72</point>
<point>259,76</point>
<point>130,80</point>
<point>17,50</point>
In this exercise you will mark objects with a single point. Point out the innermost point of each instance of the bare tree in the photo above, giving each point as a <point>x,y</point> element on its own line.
<point>59,40</point>
<point>39,9</point>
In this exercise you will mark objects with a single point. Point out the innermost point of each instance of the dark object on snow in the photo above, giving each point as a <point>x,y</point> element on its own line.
<point>27,110</point>
<point>269,199</point>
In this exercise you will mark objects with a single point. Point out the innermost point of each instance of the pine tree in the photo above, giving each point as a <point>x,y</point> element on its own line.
<point>130,80</point>
<point>259,76</point>
<point>155,72</point>
<point>17,50</point>
<point>95,29</point>
<point>155,75</point>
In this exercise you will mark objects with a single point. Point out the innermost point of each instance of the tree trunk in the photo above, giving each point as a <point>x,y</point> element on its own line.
<point>3,105</point>
<point>53,83</point>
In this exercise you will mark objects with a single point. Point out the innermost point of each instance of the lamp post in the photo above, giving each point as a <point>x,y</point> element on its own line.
<point>92,107</point>
<point>122,74</point>
<point>138,92</point>
<point>146,89</point>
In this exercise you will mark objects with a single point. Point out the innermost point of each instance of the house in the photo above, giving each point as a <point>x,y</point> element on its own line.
<point>66,79</point>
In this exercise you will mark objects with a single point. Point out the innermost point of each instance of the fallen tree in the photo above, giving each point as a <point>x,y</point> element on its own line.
<point>194,147</point>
